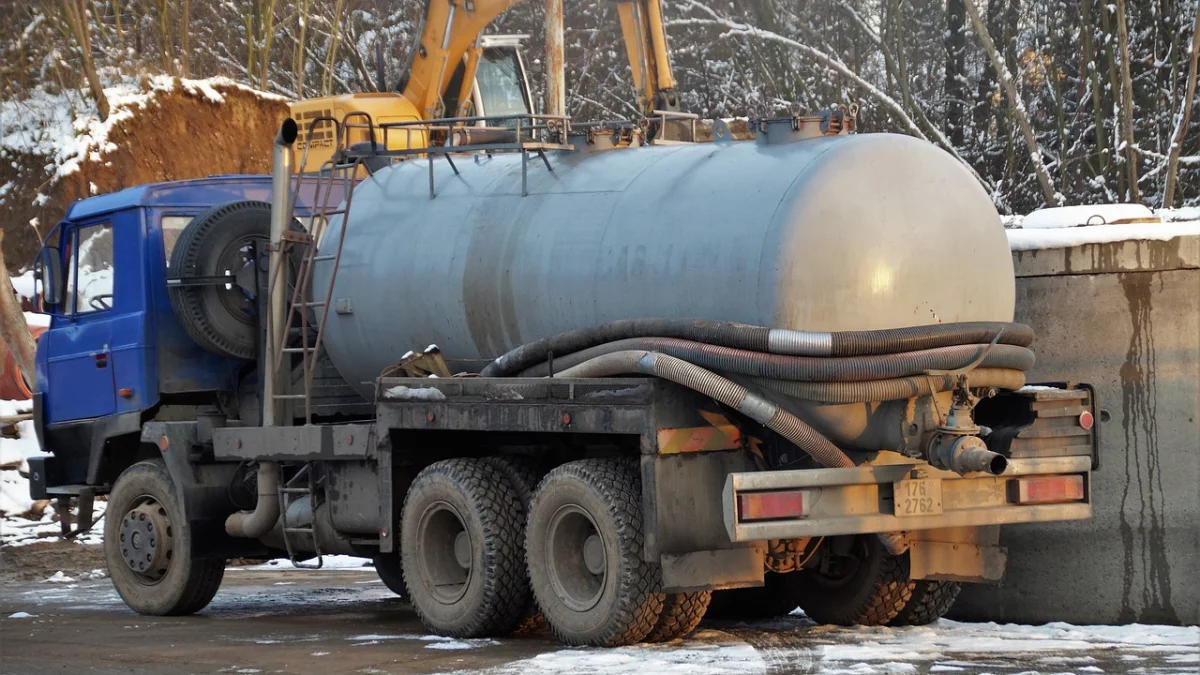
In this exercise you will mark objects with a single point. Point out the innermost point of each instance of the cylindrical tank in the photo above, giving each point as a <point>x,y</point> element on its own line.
<point>836,233</point>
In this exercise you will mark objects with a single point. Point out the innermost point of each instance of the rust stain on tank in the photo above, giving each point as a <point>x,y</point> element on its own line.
<point>1142,526</point>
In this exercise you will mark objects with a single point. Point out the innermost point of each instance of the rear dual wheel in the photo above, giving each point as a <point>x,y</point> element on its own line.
<point>584,546</point>
<point>464,566</point>
<point>462,555</point>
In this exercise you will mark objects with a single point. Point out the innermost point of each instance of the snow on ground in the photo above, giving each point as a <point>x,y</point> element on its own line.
<point>328,562</point>
<point>798,646</point>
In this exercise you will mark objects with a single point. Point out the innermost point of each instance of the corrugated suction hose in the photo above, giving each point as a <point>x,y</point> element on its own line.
<point>720,389</point>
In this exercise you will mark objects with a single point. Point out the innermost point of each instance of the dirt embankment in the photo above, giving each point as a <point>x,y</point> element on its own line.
<point>178,134</point>
<point>41,560</point>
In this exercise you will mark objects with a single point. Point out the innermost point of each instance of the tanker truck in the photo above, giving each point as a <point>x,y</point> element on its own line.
<point>610,389</point>
<point>582,375</point>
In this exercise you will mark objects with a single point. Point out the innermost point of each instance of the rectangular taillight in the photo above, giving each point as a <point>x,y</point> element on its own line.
<point>771,505</point>
<point>1046,489</point>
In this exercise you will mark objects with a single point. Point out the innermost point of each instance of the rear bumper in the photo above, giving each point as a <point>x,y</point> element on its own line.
<point>861,500</point>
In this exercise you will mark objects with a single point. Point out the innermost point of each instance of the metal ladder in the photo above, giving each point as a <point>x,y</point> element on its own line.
<point>301,298</point>
<point>307,491</point>
<point>303,484</point>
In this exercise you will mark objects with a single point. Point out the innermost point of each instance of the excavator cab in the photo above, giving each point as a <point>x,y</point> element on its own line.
<point>500,87</point>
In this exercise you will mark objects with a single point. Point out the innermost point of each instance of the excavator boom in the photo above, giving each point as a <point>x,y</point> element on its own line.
<point>646,45</point>
<point>450,31</point>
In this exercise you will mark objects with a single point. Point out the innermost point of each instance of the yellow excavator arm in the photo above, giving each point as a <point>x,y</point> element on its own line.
<point>449,40</point>
<point>646,45</point>
<point>452,27</point>
<point>450,30</point>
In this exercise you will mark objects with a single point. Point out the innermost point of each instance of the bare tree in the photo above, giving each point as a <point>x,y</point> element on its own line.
<point>1127,136</point>
<point>1184,118</point>
<point>76,14</point>
<point>14,333</point>
<point>1015,104</point>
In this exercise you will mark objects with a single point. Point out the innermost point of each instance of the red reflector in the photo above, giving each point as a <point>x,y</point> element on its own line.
<point>1049,489</point>
<point>1086,420</point>
<point>770,505</point>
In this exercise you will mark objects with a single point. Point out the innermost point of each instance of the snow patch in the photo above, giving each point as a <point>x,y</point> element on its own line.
<point>22,615</point>
<point>68,131</point>
<point>1067,237</point>
<point>403,393</point>
<point>1089,214</point>
<point>328,562</point>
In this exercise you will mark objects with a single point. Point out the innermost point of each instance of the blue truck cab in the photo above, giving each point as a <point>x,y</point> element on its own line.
<point>115,352</point>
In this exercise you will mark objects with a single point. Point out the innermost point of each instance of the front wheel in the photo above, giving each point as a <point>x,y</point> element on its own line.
<point>149,547</point>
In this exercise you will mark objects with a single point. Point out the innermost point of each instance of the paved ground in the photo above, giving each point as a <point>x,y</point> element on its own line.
<point>347,622</point>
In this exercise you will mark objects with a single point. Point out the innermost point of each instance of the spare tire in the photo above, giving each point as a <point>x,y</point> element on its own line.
<point>221,318</point>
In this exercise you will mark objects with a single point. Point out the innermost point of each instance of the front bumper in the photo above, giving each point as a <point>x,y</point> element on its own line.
<point>863,499</point>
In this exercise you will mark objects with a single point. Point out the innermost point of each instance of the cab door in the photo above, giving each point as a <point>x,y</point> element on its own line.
<point>79,360</point>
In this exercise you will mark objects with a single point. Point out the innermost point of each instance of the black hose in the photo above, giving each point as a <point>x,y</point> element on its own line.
<point>762,339</point>
<point>742,336</point>
<point>808,368</point>
<point>890,389</point>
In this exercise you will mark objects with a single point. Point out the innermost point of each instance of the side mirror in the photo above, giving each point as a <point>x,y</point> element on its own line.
<point>48,270</point>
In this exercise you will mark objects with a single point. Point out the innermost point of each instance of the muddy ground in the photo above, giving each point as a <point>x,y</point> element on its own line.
<point>345,621</point>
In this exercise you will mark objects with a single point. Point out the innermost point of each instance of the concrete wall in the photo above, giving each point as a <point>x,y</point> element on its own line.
<point>1124,317</point>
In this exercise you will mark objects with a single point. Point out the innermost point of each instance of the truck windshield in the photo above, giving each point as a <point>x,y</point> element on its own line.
<point>501,85</point>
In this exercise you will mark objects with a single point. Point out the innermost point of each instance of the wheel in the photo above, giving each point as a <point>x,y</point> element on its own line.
<point>584,550</point>
<point>149,548</point>
<point>524,473</point>
<point>680,615</point>
<point>775,598</point>
<point>865,585</point>
<point>221,318</point>
<point>929,602</point>
<point>387,566</point>
<point>460,543</point>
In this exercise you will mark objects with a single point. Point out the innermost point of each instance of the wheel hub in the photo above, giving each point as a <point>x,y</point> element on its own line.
<point>145,539</point>
<point>593,554</point>
<point>577,558</point>
<point>444,552</point>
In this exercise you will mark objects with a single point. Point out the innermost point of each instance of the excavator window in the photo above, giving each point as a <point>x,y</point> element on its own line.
<point>501,83</point>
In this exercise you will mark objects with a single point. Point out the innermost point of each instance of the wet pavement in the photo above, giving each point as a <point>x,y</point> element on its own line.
<point>295,621</point>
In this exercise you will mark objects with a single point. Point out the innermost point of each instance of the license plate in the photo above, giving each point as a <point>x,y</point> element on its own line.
<point>918,497</point>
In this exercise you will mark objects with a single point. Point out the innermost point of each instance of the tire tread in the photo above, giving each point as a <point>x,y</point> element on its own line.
<point>681,613</point>
<point>506,586</point>
<point>640,601</point>
<point>929,602</point>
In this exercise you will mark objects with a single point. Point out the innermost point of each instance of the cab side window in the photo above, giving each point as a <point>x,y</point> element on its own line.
<point>90,269</point>
<point>172,227</point>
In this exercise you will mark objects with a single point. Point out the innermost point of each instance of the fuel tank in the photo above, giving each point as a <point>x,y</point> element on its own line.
<point>834,233</point>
